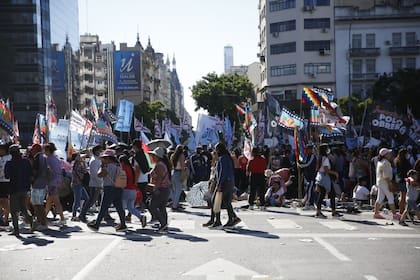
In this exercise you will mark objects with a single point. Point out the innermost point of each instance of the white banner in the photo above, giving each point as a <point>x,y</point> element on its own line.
<point>207,127</point>
<point>59,136</point>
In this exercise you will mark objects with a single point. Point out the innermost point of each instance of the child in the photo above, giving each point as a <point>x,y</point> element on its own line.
<point>275,193</point>
<point>361,192</point>
<point>413,192</point>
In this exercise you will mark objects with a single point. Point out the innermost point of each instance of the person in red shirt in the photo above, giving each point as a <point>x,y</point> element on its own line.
<point>255,169</point>
<point>129,193</point>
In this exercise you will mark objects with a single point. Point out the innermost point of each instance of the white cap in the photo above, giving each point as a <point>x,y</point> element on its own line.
<point>384,151</point>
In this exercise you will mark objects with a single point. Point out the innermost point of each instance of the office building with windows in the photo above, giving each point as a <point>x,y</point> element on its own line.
<point>28,28</point>
<point>228,58</point>
<point>296,47</point>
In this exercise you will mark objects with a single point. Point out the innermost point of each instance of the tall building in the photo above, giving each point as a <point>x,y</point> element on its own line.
<point>296,47</point>
<point>373,38</point>
<point>27,30</point>
<point>228,55</point>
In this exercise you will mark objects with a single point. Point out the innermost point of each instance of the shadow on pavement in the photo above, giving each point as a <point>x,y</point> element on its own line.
<point>250,232</point>
<point>35,240</point>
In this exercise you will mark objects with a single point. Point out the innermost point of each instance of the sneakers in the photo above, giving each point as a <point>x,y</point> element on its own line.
<point>396,216</point>
<point>336,214</point>
<point>216,225</point>
<point>93,227</point>
<point>121,228</point>
<point>232,223</point>
<point>378,216</point>
<point>209,223</point>
<point>163,229</point>
<point>143,221</point>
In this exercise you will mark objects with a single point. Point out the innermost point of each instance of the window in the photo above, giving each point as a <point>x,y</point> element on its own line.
<point>370,65</point>
<point>357,66</point>
<point>396,64</point>
<point>278,94</point>
<point>315,23</point>
<point>283,70</point>
<point>316,45</point>
<point>316,2</point>
<point>282,5</point>
<point>396,39</point>
<point>356,41</point>
<point>370,40</point>
<point>410,39</point>
<point>410,63</point>
<point>290,94</point>
<point>283,26</point>
<point>283,48</point>
<point>312,68</point>
<point>356,89</point>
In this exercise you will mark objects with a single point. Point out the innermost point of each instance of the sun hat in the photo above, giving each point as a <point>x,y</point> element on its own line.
<point>14,149</point>
<point>108,153</point>
<point>384,151</point>
<point>159,152</point>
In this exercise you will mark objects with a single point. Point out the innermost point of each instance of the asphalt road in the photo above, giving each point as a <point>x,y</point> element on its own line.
<point>279,243</point>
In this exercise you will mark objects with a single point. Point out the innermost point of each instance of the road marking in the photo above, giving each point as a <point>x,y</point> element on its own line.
<point>284,224</point>
<point>182,224</point>
<point>332,249</point>
<point>370,277</point>
<point>337,225</point>
<point>84,273</point>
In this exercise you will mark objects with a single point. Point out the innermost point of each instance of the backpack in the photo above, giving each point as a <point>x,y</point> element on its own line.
<point>120,178</point>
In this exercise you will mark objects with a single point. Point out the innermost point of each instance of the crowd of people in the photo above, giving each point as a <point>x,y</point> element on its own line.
<point>31,182</point>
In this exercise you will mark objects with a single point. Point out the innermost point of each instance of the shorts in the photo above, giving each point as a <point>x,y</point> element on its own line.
<point>52,190</point>
<point>38,196</point>
<point>4,189</point>
<point>412,205</point>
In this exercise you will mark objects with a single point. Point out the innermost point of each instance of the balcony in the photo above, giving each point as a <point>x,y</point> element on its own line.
<point>364,76</point>
<point>414,50</point>
<point>364,52</point>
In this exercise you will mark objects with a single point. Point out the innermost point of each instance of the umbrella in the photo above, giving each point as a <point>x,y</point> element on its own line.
<point>196,195</point>
<point>158,143</point>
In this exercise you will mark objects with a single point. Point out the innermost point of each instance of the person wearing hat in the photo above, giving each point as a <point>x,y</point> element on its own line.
<point>4,185</point>
<point>111,195</point>
<point>39,185</point>
<point>95,182</point>
<point>19,171</point>
<point>160,180</point>
<point>309,173</point>
<point>383,182</point>
<point>79,192</point>
<point>274,195</point>
<point>55,180</point>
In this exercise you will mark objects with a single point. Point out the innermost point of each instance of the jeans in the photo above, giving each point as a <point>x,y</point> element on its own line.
<point>158,205</point>
<point>128,202</point>
<point>79,193</point>
<point>176,189</point>
<point>94,193</point>
<point>227,190</point>
<point>257,185</point>
<point>18,204</point>
<point>112,195</point>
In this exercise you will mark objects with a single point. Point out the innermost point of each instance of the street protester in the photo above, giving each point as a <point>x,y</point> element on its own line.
<point>323,181</point>
<point>79,191</point>
<point>402,166</point>
<point>255,170</point>
<point>383,182</point>
<point>129,192</point>
<point>225,184</point>
<point>39,186</point>
<point>19,171</point>
<point>160,181</point>
<point>309,173</point>
<point>95,182</point>
<point>212,191</point>
<point>112,194</point>
<point>55,180</point>
<point>4,185</point>
<point>141,169</point>
<point>178,165</point>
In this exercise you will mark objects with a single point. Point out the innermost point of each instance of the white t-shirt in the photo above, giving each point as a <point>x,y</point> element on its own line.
<point>143,178</point>
<point>325,162</point>
<point>361,193</point>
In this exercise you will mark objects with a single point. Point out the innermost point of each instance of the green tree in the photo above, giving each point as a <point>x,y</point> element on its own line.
<point>149,111</point>
<point>399,90</point>
<point>219,94</point>
<point>357,107</point>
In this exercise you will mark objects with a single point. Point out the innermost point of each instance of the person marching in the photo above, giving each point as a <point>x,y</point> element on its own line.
<point>79,191</point>
<point>255,169</point>
<point>178,164</point>
<point>4,185</point>
<point>309,173</point>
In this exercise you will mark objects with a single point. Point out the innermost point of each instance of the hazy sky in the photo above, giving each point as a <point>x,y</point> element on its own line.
<point>194,30</point>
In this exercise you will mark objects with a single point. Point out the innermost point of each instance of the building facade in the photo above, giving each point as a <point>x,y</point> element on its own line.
<point>27,31</point>
<point>228,58</point>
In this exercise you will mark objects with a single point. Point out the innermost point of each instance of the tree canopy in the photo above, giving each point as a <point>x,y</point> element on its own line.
<point>219,94</point>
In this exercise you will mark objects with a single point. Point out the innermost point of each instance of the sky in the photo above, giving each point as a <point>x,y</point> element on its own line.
<point>195,31</point>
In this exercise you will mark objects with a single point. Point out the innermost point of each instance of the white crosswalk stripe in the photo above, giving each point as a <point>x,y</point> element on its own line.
<point>337,225</point>
<point>283,224</point>
<point>182,224</point>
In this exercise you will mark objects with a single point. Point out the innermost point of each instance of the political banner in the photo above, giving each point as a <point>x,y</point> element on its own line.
<point>127,70</point>
<point>78,131</point>
<point>59,137</point>
<point>207,128</point>
<point>382,120</point>
<point>125,111</point>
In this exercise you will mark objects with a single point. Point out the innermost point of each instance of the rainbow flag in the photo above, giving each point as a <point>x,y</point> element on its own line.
<point>312,96</point>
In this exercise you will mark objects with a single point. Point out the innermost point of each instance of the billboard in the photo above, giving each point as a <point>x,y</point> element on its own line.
<point>127,70</point>
<point>58,71</point>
